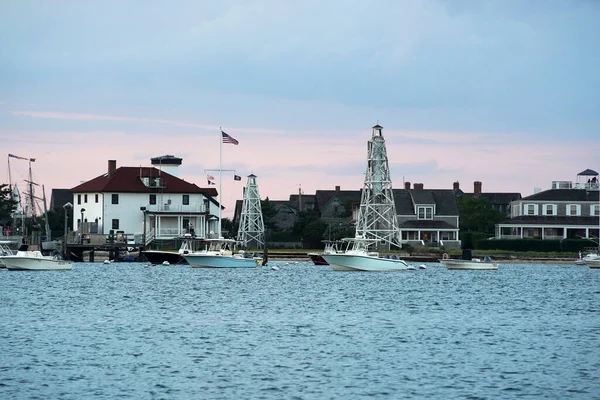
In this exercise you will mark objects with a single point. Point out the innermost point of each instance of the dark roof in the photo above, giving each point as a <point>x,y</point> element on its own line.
<point>323,197</point>
<point>588,172</point>
<point>444,200</point>
<point>564,195</point>
<point>127,179</point>
<point>551,220</point>
<point>166,160</point>
<point>426,224</point>
<point>60,197</point>
<point>501,198</point>
<point>494,198</point>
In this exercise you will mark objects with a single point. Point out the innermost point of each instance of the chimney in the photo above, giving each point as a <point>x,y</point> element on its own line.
<point>337,188</point>
<point>407,185</point>
<point>112,166</point>
<point>476,189</point>
<point>455,186</point>
<point>418,186</point>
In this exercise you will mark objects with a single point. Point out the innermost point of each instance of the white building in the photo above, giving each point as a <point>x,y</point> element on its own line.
<point>149,202</point>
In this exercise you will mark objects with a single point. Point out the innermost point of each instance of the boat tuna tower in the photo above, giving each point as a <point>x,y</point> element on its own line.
<point>377,212</point>
<point>252,229</point>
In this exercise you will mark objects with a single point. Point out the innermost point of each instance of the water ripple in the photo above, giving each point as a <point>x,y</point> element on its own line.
<point>304,332</point>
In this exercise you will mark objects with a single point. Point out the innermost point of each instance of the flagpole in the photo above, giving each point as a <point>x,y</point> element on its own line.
<point>220,180</point>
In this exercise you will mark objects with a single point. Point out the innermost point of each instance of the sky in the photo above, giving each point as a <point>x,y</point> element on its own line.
<point>505,92</point>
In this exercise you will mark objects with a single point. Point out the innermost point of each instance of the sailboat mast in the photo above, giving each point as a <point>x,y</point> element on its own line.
<point>48,233</point>
<point>31,195</point>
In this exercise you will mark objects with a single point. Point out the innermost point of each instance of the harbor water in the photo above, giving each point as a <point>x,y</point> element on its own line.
<point>134,331</point>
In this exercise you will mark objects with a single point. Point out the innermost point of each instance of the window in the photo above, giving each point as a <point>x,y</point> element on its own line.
<point>549,209</point>
<point>152,199</point>
<point>573,209</point>
<point>186,200</point>
<point>96,197</point>
<point>78,199</point>
<point>595,210</point>
<point>531,209</point>
<point>115,223</point>
<point>206,205</point>
<point>425,212</point>
<point>115,199</point>
<point>85,198</point>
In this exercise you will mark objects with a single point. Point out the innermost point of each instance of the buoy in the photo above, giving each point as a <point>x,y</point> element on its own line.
<point>422,266</point>
<point>106,262</point>
<point>274,268</point>
<point>166,263</point>
<point>411,267</point>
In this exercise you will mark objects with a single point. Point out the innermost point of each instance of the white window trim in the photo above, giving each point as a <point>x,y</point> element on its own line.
<point>577,210</point>
<point>594,209</point>
<point>424,208</point>
<point>545,209</point>
<point>533,206</point>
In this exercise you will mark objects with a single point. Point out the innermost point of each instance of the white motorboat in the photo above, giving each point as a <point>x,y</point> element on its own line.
<point>221,253</point>
<point>583,260</point>
<point>468,263</point>
<point>26,260</point>
<point>357,257</point>
<point>594,264</point>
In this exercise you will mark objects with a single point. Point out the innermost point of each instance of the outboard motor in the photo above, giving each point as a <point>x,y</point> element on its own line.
<point>466,254</point>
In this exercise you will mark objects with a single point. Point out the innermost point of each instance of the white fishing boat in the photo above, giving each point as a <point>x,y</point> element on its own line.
<point>468,263</point>
<point>26,260</point>
<point>358,257</point>
<point>221,253</point>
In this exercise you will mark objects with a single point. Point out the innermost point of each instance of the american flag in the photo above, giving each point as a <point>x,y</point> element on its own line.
<point>228,139</point>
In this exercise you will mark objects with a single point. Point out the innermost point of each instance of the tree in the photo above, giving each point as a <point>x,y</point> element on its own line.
<point>7,204</point>
<point>313,233</point>
<point>227,227</point>
<point>268,212</point>
<point>478,215</point>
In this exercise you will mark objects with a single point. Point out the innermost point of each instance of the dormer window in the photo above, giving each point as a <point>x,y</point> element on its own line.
<point>425,212</point>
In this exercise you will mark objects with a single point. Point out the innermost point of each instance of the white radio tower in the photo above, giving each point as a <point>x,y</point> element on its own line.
<point>252,228</point>
<point>377,213</point>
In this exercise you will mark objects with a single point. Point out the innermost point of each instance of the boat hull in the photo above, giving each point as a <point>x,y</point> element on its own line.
<point>216,261</point>
<point>159,257</point>
<point>317,259</point>
<point>468,265</point>
<point>16,263</point>
<point>595,264</point>
<point>355,262</point>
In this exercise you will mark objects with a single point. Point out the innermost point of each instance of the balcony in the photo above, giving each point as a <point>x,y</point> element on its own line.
<point>175,209</point>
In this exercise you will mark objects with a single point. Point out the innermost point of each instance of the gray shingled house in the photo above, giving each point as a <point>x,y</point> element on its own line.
<point>427,217</point>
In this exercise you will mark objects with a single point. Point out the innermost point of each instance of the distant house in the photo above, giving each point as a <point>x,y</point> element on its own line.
<point>336,205</point>
<point>500,200</point>
<point>427,217</point>
<point>147,201</point>
<point>567,210</point>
